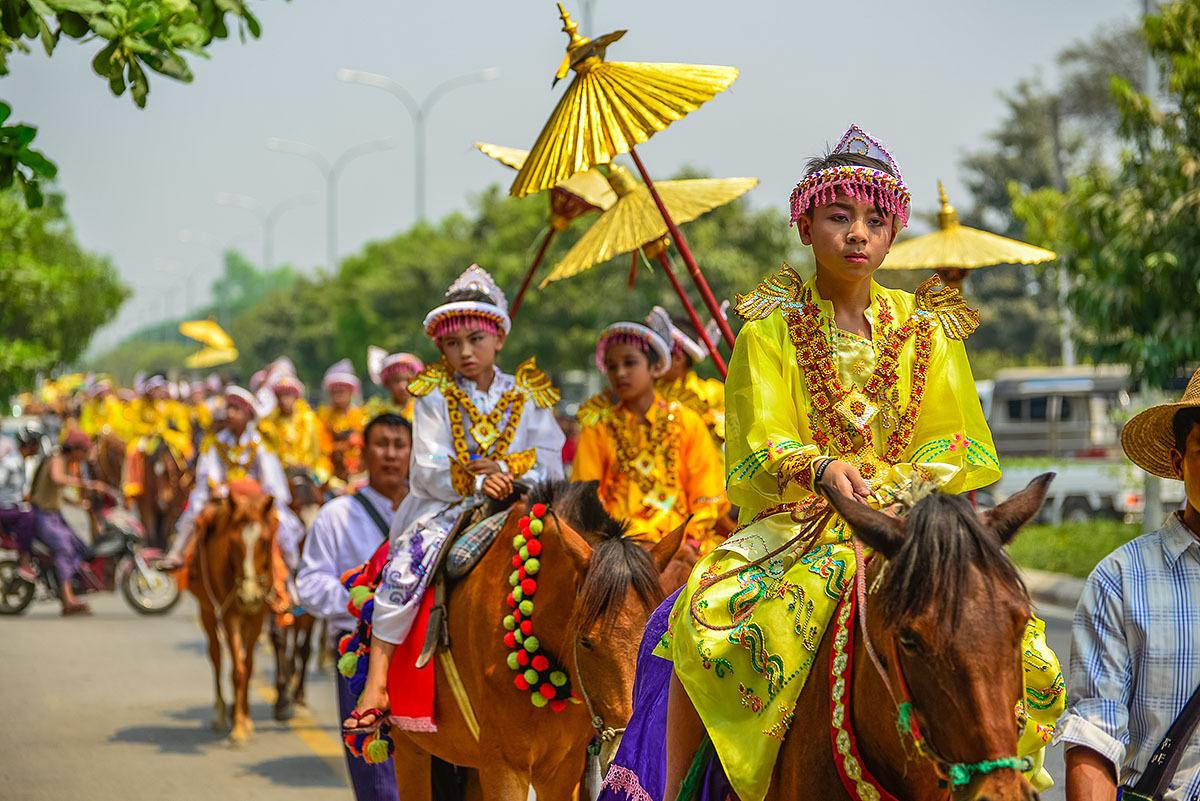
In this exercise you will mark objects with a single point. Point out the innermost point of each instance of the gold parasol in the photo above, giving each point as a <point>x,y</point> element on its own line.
<point>218,346</point>
<point>955,248</point>
<point>633,222</point>
<point>579,194</point>
<point>609,108</point>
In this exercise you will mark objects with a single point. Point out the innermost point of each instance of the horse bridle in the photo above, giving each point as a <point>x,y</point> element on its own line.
<point>953,774</point>
<point>219,609</point>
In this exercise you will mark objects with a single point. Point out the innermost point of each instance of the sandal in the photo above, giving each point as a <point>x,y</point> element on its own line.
<point>380,716</point>
<point>76,609</point>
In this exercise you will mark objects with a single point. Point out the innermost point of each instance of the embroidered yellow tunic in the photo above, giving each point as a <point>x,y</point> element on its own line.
<point>335,427</point>
<point>103,416</point>
<point>378,405</point>
<point>652,473</point>
<point>899,404</point>
<point>295,438</point>
<point>149,421</point>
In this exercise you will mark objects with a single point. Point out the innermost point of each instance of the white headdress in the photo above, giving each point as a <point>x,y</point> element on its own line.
<point>260,404</point>
<point>642,337</point>
<point>380,362</point>
<point>453,315</point>
<point>342,372</point>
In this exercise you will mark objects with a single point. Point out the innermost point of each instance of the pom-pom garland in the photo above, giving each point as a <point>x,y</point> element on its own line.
<point>536,671</point>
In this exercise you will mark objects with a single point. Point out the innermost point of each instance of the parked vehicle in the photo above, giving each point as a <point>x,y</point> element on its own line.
<point>116,559</point>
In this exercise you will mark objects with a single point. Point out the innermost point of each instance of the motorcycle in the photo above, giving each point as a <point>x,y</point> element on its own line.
<point>115,559</point>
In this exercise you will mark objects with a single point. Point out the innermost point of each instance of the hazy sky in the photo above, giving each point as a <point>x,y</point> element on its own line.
<point>923,76</point>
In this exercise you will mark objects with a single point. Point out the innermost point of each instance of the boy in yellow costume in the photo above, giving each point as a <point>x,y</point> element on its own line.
<point>705,396</point>
<point>292,429</point>
<point>392,372</point>
<point>341,426</point>
<point>835,383</point>
<point>653,458</point>
<point>154,420</point>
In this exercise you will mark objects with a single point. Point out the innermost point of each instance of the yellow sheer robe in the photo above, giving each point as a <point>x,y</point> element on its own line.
<point>335,428</point>
<point>168,420</point>
<point>744,682</point>
<point>295,438</point>
<point>661,480</point>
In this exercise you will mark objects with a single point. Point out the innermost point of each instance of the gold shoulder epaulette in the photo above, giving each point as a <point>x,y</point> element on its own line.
<point>773,292</point>
<point>428,379</point>
<point>537,383</point>
<point>595,410</point>
<point>958,319</point>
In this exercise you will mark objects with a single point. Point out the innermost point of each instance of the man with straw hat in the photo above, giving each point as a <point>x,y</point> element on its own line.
<point>1134,664</point>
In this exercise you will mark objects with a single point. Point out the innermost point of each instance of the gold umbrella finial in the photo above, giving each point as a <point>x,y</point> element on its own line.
<point>947,216</point>
<point>621,180</point>
<point>570,28</point>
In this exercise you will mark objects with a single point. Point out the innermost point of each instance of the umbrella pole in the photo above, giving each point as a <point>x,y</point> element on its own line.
<point>693,269</point>
<point>537,261</point>
<point>691,313</point>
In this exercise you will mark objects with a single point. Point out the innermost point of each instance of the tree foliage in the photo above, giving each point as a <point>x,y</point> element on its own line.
<point>136,37</point>
<point>55,293</point>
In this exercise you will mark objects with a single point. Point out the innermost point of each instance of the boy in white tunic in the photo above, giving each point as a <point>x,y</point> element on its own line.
<point>475,431</point>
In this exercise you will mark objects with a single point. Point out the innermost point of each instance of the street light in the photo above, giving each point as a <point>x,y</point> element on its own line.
<point>418,110</point>
<point>331,171</point>
<point>266,217</point>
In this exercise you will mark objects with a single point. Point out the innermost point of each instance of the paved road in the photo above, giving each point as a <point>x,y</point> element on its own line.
<point>116,706</point>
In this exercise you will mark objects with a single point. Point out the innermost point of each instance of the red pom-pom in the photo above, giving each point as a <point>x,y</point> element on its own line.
<point>534,547</point>
<point>527,629</point>
<point>538,510</point>
<point>522,685</point>
<point>517,615</point>
<point>529,587</point>
<point>516,560</point>
<point>547,690</point>
<point>512,602</point>
<point>540,663</point>
<point>510,639</point>
<point>558,706</point>
<point>523,658</point>
<point>521,574</point>
<point>523,525</point>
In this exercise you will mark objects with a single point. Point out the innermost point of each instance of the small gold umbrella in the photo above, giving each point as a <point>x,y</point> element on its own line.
<point>954,248</point>
<point>609,108</point>
<point>579,194</point>
<point>218,346</point>
<point>634,222</point>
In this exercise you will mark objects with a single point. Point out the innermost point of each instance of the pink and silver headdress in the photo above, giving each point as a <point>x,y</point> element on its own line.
<point>381,364</point>
<point>866,184</point>
<point>341,373</point>
<point>260,403</point>
<point>459,314</point>
<point>639,336</point>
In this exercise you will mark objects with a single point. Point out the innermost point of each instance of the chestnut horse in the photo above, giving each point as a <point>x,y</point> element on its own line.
<point>596,590</point>
<point>165,488</point>
<point>945,613</point>
<point>230,575</point>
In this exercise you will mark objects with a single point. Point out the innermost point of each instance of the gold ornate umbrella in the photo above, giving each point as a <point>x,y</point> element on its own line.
<point>955,248</point>
<point>218,346</point>
<point>579,194</point>
<point>633,222</point>
<point>609,108</point>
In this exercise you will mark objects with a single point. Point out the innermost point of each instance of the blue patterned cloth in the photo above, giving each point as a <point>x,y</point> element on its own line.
<point>1135,655</point>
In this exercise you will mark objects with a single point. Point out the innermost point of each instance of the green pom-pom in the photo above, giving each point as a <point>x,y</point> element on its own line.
<point>535,527</point>
<point>518,542</point>
<point>526,608</point>
<point>347,664</point>
<point>514,578</point>
<point>531,644</point>
<point>532,566</point>
<point>518,594</point>
<point>510,622</point>
<point>520,638</point>
<point>558,678</point>
<point>537,699</point>
<point>524,553</point>
<point>531,676</point>
<point>513,664</point>
<point>359,596</point>
<point>376,752</point>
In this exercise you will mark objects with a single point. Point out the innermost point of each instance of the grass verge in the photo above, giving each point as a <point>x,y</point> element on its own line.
<point>1071,548</point>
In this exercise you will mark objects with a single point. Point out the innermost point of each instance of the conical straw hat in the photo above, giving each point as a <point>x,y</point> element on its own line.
<point>1148,437</point>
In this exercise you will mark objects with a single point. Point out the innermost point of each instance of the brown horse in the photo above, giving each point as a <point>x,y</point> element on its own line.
<point>165,488</point>
<point>230,575</point>
<point>945,613</point>
<point>597,589</point>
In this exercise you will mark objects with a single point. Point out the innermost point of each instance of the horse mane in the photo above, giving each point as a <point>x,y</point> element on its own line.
<point>945,541</point>
<point>618,563</point>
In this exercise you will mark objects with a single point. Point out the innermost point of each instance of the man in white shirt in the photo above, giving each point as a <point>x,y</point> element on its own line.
<point>345,533</point>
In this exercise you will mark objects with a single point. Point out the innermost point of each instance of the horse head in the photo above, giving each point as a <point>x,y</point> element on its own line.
<point>947,614</point>
<point>244,522</point>
<point>612,587</point>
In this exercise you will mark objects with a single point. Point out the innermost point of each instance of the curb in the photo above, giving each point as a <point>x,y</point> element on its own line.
<point>1056,589</point>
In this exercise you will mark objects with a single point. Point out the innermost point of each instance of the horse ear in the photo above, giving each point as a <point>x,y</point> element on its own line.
<point>1021,507</point>
<point>663,551</point>
<point>265,505</point>
<point>882,532</point>
<point>578,551</point>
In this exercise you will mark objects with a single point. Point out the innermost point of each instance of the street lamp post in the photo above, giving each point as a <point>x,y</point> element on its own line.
<point>266,217</point>
<point>417,109</point>
<point>331,172</point>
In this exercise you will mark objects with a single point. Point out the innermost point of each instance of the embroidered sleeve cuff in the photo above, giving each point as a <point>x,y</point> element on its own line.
<point>1073,729</point>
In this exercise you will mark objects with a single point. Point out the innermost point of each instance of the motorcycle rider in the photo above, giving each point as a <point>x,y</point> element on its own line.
<point>16,516</point>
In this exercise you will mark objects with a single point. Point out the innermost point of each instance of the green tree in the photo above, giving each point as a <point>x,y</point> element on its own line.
<point>55,293</point>
<point>135,37</point>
